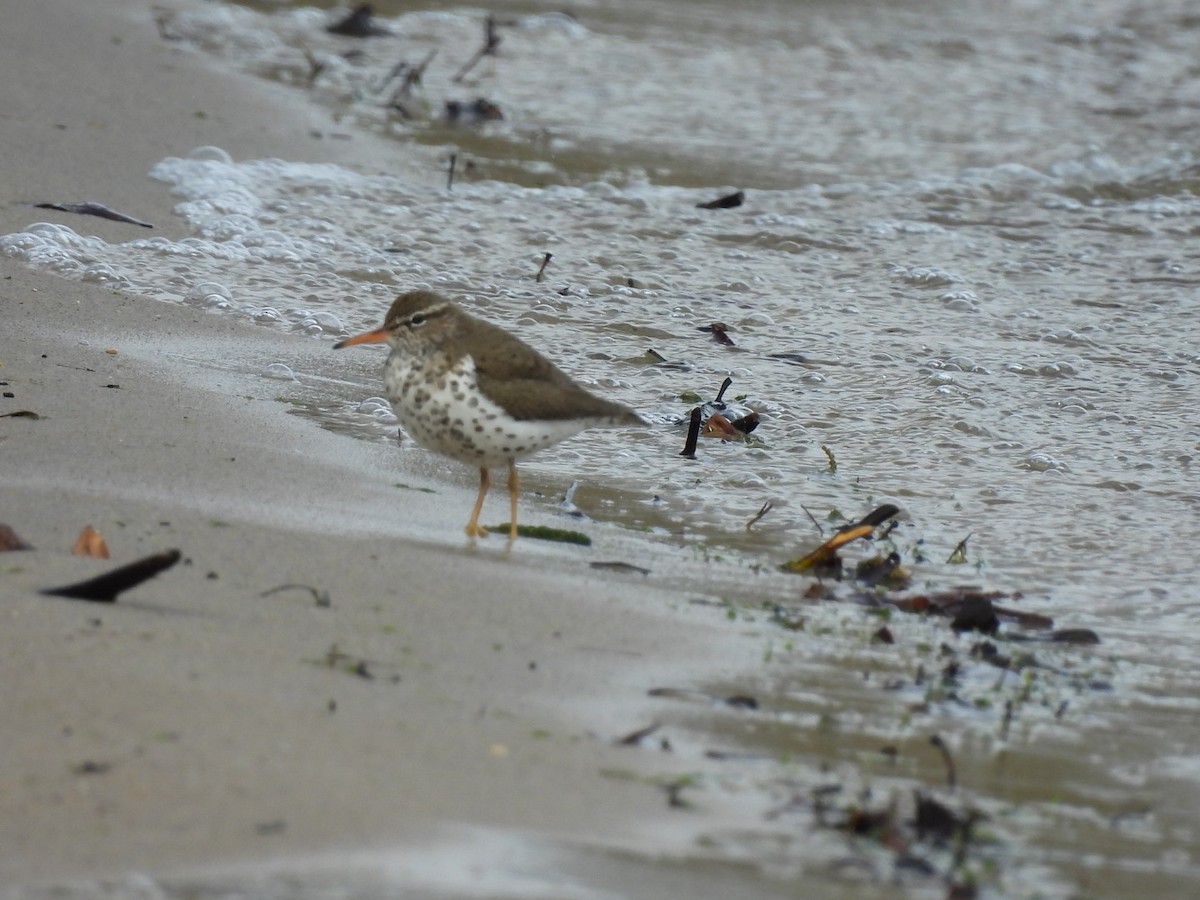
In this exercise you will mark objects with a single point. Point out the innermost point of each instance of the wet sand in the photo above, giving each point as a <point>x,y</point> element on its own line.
<point>197,724</point>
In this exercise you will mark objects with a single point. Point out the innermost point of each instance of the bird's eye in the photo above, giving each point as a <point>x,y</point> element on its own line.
<point>417,321</point>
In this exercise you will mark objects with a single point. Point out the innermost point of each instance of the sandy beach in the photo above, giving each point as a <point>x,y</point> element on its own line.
<point>198,724</point>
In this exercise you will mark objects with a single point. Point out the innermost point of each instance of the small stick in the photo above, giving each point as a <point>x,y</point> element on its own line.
<point>960,552</point>
<point>724,387</point>
<point>820,530</point>
<point>450,174</point>
<point>321,598</point>
<point>412,76</point>
<point>541,272</point>
<point>766,508</point>
<point>491,42</point>
<point>689,448</point>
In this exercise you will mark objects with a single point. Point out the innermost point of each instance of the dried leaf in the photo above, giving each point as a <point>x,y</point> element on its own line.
<point>717,426</point>
<point>90,543</point>
<point>10,540</point>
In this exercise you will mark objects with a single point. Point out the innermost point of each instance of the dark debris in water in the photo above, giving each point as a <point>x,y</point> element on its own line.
<point>728,201</point>
<point>359,23</point>
<point>825,557</point>
<point>474,112</point>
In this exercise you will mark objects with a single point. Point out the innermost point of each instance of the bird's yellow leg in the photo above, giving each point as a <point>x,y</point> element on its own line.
<point>513,483</point>
<point>474,529</point>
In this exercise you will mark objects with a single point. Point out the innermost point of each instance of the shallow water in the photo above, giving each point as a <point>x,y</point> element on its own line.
<point>966,264</point>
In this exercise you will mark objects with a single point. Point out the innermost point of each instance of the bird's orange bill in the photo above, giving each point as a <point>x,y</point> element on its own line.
<point>840,539</point>
<point>378,336</point>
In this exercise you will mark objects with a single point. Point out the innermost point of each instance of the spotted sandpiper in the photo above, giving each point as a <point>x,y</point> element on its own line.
<point>476,393</point>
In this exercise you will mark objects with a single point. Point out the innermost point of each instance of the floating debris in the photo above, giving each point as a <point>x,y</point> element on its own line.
<point>491,43</point>
<point>477,111</point>
<point>729,201</point>
<point>824,555</point>
<point>976,613</point>
<point>693,436</point>
<point>541,272</point>
<point>402,100</point>
<point>766,508</point>
<point>719,332</point>
<point>833,466</point>
<point>359,23</point>
<point>883,570</point>
<point>717,426</point>
<point>959,555</point>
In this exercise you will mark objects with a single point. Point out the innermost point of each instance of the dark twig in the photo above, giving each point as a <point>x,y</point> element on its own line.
<point>320,598</point>
<point>689,448</point>
<point>766,508</point>
<point>491,42</point>
<point>411,76</point>
<point>541,272</point>
<point>960,552</point>
<point>105,588</point>
<point>820,530</point>
<point>724,387</point>
<point>359,23</point>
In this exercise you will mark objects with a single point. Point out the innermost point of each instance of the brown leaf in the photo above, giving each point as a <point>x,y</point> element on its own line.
<point>718,426</point>
<point>90,543</point>
<point>10,540</point>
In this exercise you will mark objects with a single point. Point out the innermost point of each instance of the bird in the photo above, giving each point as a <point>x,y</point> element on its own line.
<point>474,392</point>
